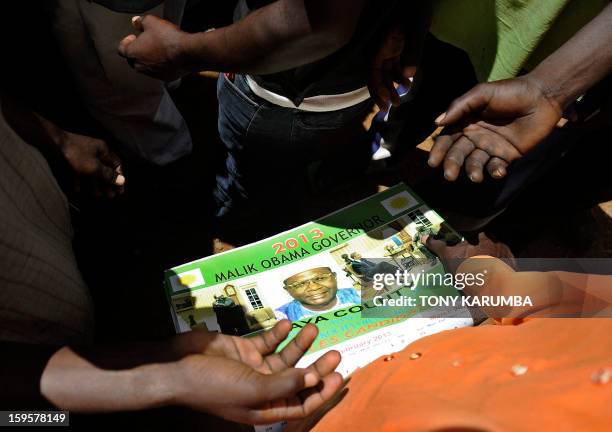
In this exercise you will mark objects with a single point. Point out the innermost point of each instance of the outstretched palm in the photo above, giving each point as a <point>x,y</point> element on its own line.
<point>258,384</point>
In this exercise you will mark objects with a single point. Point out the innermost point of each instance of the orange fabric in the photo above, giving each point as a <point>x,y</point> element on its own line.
<point>463,380</point>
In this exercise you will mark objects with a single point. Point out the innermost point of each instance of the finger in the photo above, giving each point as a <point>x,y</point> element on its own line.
<point>378,92</point>
<point>298,346</point>
<point>482,247</point>
<point>394,98</point>
<point>473,101</point>
<point>450,256</point>
<point>110,159</point>
<point>149,20</point>
<point>137,23</point>
<point>308,402</point>
<point>383,98</point>
<point>456,156</point>
<point>491,142</point>
<point>497,168</point>
<point>110,165</point>
<point>283,384</point>
<point>388,68</point>
<point>122,49</point>
<point>119,180</point>
<point>405,75</point>
<point>107,174</point>
<point>441,145</point>
<point>436,246</point>
<point>503,251</point>
<point>326,364</point>
<point>475,164</point>
<point>408,72</point>
<point>482,237</point>
<point>315,375</point>
<point>267,342</point>
<point>313,399</point>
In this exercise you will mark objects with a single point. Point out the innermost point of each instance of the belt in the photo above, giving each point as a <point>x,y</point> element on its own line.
<point>321,103</point>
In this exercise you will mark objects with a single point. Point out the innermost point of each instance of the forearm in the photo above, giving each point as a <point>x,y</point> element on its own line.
<point>32,127</point>
<point>580,63</point>
<point>129,377</point>
<point>55,135</point>
<point>280,36</point>
<point>72,382</point>
<point>114,378</point>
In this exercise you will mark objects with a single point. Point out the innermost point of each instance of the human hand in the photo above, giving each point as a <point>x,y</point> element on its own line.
<point>246,381</point>
<point>492,125</point>
<point>452,256</point>
<point>258,351</point>
<point>91,159</point>
<point>157,51</point>
<point>391,65</point>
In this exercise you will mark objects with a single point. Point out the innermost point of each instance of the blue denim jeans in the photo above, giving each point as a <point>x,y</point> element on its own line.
<point>277,157</point>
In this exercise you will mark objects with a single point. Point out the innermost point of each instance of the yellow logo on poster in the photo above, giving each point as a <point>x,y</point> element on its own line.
<point>399,202</point>
<point>188,279</point>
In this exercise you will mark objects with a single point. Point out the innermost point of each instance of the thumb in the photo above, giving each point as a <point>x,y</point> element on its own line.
<point>109,165</point>
<point>124,44</point>
<point>109,175</point>
<point>288,383</point>
<point>409,72</point>
<point>407,75</point>
<point>473,101</point>
<point>137,23</point>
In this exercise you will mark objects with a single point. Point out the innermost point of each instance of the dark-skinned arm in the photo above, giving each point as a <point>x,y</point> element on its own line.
<point>241,380</point>
<point>578,64</point>
<point>280,36</point>
<point>496,123</point>
<point>90,158</point>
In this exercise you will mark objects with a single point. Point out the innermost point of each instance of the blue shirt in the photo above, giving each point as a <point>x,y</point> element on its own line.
<point>294,310</point>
